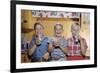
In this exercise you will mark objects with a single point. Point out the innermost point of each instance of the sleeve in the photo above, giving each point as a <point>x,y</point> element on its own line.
<point>64,43</point>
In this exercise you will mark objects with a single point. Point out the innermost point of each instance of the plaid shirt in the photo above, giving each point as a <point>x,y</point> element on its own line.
<point>73,48</point>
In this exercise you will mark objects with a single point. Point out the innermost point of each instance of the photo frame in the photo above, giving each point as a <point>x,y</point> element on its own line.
<point>25,13</point>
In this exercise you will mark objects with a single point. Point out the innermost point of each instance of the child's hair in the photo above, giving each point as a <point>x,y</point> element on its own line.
<point>58,24</point>
<point>38,24</point>
<point>76,24</point>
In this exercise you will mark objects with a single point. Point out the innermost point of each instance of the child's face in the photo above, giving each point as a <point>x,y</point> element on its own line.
<point>39,30</point>
<point>75,30</point>
<point>58,31</point>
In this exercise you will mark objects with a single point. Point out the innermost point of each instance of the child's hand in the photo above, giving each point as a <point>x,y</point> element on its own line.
<point>46,56</point>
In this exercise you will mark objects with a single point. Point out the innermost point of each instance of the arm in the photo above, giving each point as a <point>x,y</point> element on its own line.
<point>31,50</point>
<point>63,47</point>
<point>64,50</point>
<point>83,46</point>
<point>50,45</point>
<point>50,48</point>
<point>32,47</point>
<point>46,56</point>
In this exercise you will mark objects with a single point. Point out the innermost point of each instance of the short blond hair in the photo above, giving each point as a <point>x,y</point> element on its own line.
<point>58,24</point>
<point>75,24</point>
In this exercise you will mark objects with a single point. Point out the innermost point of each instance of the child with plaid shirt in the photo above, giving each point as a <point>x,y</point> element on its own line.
<point>77,45</point>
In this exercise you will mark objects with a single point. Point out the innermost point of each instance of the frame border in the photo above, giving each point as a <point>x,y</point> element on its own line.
<point>13,35</point>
